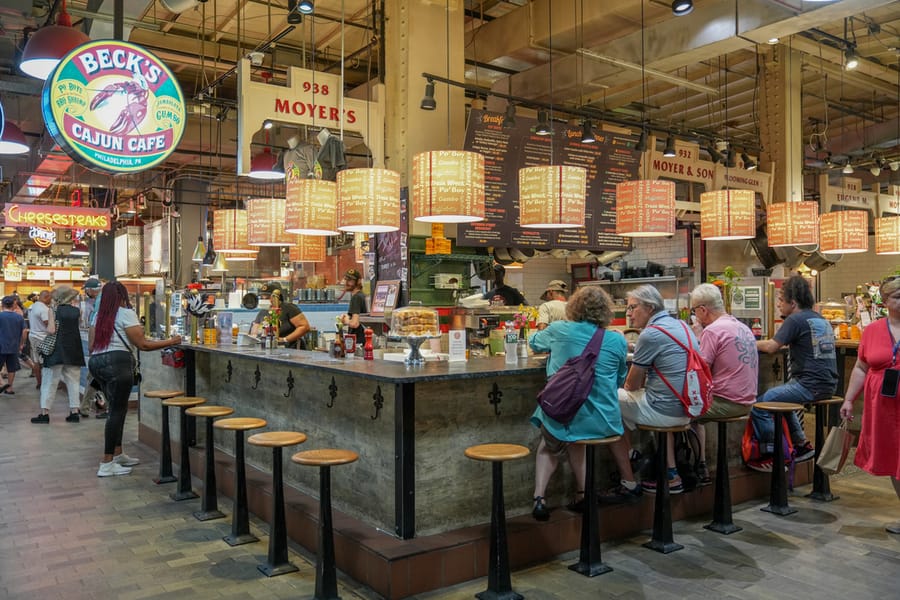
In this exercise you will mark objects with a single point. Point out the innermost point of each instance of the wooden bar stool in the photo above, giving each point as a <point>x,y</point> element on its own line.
<point>209,508</point>
<point>722,519</point>
<point>499,584</point>
<point>821,484</point>
<point>662,539</point>
<point>184,491</point>
<point>277,562</point>
<point>590,564</point>
<point>778,501</point>
<point>240,521</point>
<point>165,445</point>
<point>326,574</point>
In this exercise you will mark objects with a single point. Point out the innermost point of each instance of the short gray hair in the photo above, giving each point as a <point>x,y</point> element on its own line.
<point>708,295</point>
<point>648,295</point>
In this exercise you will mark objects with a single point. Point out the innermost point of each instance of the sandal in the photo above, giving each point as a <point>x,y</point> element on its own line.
<point>540,512</point>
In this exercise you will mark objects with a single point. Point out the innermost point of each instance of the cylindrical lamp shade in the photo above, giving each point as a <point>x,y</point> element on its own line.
<point>368,200</point>
<point>552,197</point>
<point>645,208</point>
<point>448,187</point>
<point>266,223</point>
<point>308,248</point>
<point>844,232</point>
<point>792,223</point>
<point>310,208</point>
<point>230,232</point>
<point>887,235</point>
<point>727,215</point>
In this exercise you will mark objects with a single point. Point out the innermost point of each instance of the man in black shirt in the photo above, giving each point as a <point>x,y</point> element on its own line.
<point>353,285</point>
<point>509,295</point>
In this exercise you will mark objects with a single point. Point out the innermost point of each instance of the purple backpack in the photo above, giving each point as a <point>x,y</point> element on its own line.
<point>570,386</point>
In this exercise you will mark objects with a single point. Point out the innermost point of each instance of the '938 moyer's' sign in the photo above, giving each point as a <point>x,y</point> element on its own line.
<point>114,107</point>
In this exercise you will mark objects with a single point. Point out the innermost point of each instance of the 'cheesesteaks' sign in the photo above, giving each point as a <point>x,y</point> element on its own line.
<point>114,107</point>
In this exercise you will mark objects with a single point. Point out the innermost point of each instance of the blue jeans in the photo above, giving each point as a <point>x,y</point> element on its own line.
<point>764,421</point>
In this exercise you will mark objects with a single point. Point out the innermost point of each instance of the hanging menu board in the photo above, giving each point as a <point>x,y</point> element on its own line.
<point>610,160</point>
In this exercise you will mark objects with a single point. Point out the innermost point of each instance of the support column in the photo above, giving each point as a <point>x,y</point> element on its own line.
<point>417,41</point>
<point>191,198</point>
<point>780,121</point>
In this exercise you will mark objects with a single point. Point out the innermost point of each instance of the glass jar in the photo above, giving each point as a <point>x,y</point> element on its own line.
<point>415,320</point>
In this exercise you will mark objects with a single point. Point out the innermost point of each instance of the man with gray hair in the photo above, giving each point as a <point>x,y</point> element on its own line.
<point>646,398</point>
<point>38,321</point>
<point>729,348</point>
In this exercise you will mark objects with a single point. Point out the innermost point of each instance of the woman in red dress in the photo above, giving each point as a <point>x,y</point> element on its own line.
<point>879,350</point>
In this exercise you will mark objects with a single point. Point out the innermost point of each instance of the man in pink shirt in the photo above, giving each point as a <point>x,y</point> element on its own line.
<point>729,347</point>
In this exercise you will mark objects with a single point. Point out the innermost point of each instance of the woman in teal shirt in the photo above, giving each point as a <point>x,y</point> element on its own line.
<point>589,308</point>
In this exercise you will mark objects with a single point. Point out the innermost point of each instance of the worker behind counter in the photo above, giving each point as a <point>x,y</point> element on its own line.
<point>502,294</point>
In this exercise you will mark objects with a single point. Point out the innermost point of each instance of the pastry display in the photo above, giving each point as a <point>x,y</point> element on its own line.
<point>415,321</point>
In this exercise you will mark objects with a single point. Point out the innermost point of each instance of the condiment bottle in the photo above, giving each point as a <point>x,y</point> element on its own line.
<point>339,346</point>
<point>511,343</point>
<point>756,328</point>
<point>368,348</point>
<point>235,331</point>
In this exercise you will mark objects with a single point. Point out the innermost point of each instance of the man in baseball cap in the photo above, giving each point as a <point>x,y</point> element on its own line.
<point>554,307</point>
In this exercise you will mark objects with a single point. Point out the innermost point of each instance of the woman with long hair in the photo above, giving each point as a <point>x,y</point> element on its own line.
<point>113,340</point>
<point>67,358</point>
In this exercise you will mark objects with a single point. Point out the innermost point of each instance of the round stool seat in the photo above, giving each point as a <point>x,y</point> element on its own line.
<point>325,457</point>
<point>277,439</point>
<point>727,419</point>
<point>240,423</point>
<point>184,401</point>
<point>657,429</point>
<point>209,410</point>
<point>163,394</point>
<point>778,406</point>
<point>599,441</point>
<point>497,452</point>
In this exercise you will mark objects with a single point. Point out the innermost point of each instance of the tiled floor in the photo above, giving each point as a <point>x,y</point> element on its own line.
<point>64,533</point>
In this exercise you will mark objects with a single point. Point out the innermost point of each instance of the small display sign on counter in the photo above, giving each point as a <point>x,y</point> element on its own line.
<point>457,345</point>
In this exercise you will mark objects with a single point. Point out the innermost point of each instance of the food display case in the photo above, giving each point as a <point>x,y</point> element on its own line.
<point>415,324</point>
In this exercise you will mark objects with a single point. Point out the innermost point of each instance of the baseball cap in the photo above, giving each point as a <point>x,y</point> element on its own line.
<point>269,287</point>
<point>556,285</point>
<point>353,274</point>
<point>92,283</point>
<point>8,301</point>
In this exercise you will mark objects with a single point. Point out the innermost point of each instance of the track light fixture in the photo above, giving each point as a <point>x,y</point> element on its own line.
<point>714,154</point>
<point>543,125</point>
<point>587,132</point>
<point>670,147</point>
<point>895,165</point>
<point>428,102</point>
<point>851,58</point>
<point>748,162</point>
<point>848,168</point>
<point>267,124</point>
<point>642,142</point>
<point>305,7</point>
<point>682,7</point>
<point>509,120</point>
<point>731,159</point>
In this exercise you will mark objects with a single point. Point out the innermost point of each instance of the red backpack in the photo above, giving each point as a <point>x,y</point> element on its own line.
<point>696,398</point>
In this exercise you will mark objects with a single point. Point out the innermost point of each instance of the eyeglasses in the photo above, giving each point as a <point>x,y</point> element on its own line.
<point>631,307</point>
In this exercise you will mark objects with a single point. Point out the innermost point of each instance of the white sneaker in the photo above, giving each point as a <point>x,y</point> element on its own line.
<point>125,460</point>
<point>108,469</point>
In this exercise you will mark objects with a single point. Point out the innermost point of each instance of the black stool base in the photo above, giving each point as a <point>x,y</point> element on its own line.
<point>781,511</point>
<point>275,570</point>
<point>822,497</point>
<point>167,479</point>
<point>492,595</point>
<point>237,540</point>
<point>179,496</point>
<point>590,569</point>
<point>663,547</point>
<point>723,528</point>
<point>208,515</point>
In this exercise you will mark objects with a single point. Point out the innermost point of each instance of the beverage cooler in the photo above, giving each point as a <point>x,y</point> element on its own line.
<point>753,302</point>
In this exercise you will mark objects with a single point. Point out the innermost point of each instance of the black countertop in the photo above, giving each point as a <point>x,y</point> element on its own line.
<point>381,370</point>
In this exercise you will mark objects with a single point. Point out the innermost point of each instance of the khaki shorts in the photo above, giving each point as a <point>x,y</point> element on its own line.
<point>637,411</point>
<point>724,409</point>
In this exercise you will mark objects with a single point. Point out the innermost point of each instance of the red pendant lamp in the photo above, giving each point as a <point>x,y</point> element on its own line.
<point>48,45</point>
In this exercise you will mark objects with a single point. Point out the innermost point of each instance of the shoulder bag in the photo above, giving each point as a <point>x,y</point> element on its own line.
<point>569,387</point>
<point>47,345</point>
<point>135,362</point>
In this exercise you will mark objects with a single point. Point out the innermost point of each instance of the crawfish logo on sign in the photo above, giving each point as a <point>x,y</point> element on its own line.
<point>114,107</point>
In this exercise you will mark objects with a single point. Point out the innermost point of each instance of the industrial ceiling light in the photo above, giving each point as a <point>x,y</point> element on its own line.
<point>543,125</point>
<point>670,147</point>
<point>265,166</point>
<point>46,46</point>
<point>219,265</point>
<point>199,250</point>
<point>428,102</point>
<point>587,132</point>
<point>210,256</point>
<point>13,140</point>
<point>305,7</point>
<point>749,164</point>
<point>848,168</point>
<point>851,58</point>
<point>79,248</point>
<point>895,165</point>
<point>267,124</point>
<point>682,7</point>
<point>731,159</point>
<point>642,142</point>
<point>876,168</point>
<point>509,120</point>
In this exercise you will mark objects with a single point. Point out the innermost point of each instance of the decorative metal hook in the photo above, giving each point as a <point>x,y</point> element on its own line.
<point>496,397</point>
<point>290,385</point>
<point>379,402</point>
<point>257,375</point>
<point>228,369</point>
<point>332,391</point>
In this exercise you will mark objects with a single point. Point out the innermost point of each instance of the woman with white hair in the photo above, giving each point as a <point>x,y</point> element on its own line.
<point>67,358</point>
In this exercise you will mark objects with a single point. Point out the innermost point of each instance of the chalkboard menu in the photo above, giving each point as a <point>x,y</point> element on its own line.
<point>610,160</point>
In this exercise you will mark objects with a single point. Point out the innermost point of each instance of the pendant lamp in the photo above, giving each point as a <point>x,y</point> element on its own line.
<point>13,140</point>
<point>368,200</point>
<point>792,223</point>
<point>727,215</point>
<point>844,232</point>
<point>645,208</point>
<point>308,248</point>
<point>887,235</point>
<point>219,265</point>
<point>266,222</point>
<point>230,231</point>
<point>448,187</point>
<point>552,196</point>
<point>310,207</point>
<point>210,256</point>
<point>48,45</point>
<point>199,250</point>
<point>265,165</point>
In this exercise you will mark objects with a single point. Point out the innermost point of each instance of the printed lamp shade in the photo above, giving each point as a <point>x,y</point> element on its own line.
<point>310,208</point>
<point>645,208</point>
<point>887,235</point>
<point>266,222</point>
<point>727,215</point>
<point>448,187</point>
<point>552,196</point>
<point>308,248</point>
<point>792,223</point>
<point>230,232</point>
<point>844,232</point>
<point>368,200</point>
